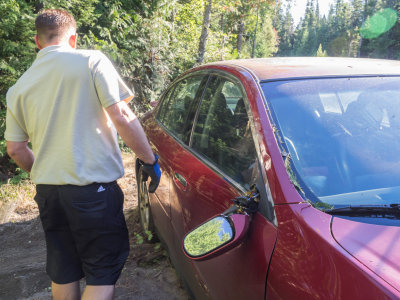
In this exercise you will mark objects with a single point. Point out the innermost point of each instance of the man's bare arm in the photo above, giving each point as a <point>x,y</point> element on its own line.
<point>130,130</point>
<point>21,154</point>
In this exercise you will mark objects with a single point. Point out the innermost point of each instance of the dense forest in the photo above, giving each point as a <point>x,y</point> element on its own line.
<point>352,28</point>
<point>152,41</point>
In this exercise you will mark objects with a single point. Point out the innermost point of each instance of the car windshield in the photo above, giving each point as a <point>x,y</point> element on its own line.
<point>343,136</point>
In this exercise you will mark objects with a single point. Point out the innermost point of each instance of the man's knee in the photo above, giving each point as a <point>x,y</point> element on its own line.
<point>68,291</point>
<point>98,292</point>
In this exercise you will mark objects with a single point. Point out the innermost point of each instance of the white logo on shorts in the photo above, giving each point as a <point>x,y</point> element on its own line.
<point>101,189</point>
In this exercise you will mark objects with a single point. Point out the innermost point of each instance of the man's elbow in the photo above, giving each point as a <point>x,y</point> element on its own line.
<point>120,114</point>
<point>14,149</point>
<point>12,152</point>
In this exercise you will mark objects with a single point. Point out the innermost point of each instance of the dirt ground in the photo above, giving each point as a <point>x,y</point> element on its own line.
<point>148,273</point>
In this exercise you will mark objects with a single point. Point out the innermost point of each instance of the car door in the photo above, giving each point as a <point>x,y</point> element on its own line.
<point>171,127</point>
<point>220,164</point>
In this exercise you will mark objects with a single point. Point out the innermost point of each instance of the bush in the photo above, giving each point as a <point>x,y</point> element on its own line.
<point>17,50</point>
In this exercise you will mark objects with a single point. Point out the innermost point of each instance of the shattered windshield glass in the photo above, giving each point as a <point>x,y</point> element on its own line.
<point>343,136</point>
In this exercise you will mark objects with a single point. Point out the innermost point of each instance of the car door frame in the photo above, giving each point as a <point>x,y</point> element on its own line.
<point>160,206</point>
<point>267,204</point>
<point>266,209</point>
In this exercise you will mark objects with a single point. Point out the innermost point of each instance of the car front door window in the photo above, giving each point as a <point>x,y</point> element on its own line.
<point>176,113</point>
<point>222,132</point>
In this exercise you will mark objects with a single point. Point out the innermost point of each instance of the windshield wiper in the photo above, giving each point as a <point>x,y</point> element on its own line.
<point>379,211</point>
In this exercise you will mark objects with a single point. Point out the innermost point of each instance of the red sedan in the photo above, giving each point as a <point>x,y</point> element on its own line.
<point>280,178</point>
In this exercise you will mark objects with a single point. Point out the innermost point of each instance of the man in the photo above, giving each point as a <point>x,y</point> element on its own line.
<point>64,104</point>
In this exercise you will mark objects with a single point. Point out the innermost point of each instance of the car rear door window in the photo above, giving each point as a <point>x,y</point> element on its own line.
<point>177,110</point>
<point>222,132</point>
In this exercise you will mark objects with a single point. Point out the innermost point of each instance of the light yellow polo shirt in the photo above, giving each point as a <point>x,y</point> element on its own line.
<point>58,104</point>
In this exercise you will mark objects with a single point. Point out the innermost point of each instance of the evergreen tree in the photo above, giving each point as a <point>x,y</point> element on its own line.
<point>285,30</point>
<point>320,52</point>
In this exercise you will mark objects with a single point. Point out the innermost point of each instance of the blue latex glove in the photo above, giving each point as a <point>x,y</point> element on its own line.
<point>153,171</point>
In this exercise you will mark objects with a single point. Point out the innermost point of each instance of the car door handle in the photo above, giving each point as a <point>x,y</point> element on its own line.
<point>180,181</point>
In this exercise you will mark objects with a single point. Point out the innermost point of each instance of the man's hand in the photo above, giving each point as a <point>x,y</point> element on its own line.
<point>152,170</point>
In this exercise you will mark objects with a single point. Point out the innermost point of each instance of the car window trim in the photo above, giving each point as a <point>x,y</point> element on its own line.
<point>196,114</point>
<point>266,210</point>
<point>172,88</point>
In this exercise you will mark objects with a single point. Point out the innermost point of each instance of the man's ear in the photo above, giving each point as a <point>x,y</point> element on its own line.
<point>37,42</point>
<point>73,40</point>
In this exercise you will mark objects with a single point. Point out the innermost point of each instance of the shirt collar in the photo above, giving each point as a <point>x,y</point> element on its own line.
<point>52,48</point>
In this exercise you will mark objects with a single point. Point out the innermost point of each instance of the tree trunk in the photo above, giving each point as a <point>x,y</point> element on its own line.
<point>255,32</point>
<point>364,18</point>
<point>240,36</point>
<point>223,38</point>
<point>204,32</point>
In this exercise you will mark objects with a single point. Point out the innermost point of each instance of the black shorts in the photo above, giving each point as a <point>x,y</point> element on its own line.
<point>85,230</point>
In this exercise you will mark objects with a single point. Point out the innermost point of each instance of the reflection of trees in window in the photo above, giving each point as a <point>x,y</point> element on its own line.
<point>208,237</point>
<point>176,110</point>
<point>222,131</point>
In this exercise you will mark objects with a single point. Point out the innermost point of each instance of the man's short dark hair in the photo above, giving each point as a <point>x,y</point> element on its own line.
<point>53,24</point>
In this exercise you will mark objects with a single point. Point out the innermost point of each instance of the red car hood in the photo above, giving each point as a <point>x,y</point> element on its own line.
<point>375,246</point>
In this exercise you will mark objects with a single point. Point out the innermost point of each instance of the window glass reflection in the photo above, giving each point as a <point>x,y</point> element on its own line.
<point>222,132</point>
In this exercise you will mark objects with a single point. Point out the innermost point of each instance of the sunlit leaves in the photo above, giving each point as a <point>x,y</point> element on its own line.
<point>16,50</point>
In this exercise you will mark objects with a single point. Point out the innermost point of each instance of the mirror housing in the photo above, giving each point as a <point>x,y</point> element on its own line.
<point>215,236</point>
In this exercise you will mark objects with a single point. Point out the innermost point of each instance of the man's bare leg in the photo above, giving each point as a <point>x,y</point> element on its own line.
<point>98,292</point>
<point>68,291</point>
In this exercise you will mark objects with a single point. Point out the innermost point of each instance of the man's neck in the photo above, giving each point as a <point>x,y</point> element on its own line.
<point>64,44</point>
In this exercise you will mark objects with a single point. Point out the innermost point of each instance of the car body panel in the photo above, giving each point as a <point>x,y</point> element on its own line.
<point>246,264</point>
<point>309,264</point>
<point>300,67</point>
<point>375,246</point>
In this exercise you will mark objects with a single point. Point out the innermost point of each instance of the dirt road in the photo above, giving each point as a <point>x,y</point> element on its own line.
<point>147,273</point>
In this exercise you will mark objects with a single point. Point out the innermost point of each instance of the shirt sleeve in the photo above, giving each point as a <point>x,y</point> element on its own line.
<point>109,85</point>
<point>15,131</point>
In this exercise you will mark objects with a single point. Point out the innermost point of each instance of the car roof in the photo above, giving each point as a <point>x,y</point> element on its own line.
<point>299,67</point>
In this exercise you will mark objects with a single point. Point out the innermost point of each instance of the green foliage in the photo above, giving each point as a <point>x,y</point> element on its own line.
<point>20,177</point>
<point>152,41</point>
<point>322,205</point>
<point>16,192</point>
<point>320,52</point>
<point>266,44</point>
<point>139,238</point>
<point>16,50</point>
<point>352,28</point>
<point>3,149</point>
<point>149,235</point>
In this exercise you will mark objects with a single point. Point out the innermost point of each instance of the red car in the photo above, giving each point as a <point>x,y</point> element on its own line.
<point>280,178</point>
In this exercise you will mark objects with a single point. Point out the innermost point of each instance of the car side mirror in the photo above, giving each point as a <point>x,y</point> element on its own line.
<point>216,236</point>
